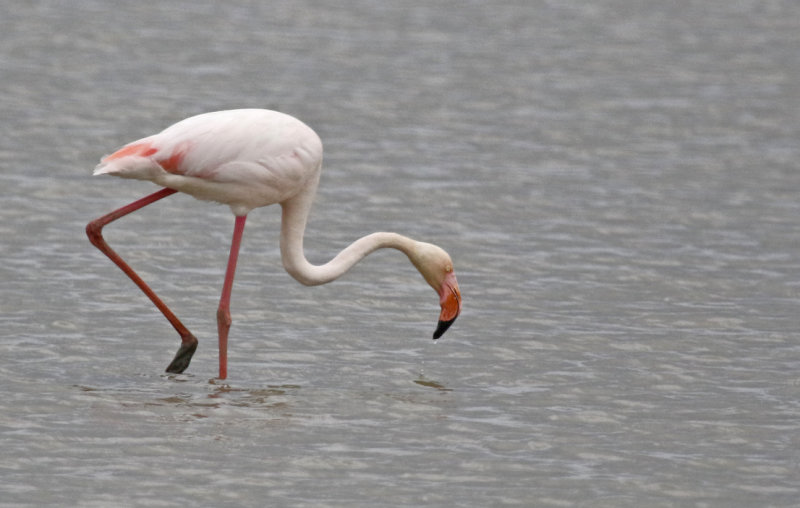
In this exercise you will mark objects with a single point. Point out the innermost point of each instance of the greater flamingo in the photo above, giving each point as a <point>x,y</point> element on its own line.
<point>249,158</point>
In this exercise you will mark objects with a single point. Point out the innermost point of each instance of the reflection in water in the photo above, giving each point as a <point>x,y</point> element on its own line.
<point>212,397</point>
<point>432,384</point>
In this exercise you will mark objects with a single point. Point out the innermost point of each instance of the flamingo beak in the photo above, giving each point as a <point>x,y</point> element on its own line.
<point>450,300</point>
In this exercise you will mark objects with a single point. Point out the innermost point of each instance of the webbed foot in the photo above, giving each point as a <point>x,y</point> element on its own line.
<point>183,356</point>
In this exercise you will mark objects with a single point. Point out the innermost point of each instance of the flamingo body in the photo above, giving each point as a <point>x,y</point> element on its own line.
<point>251,158</point>
<point>254,158</point>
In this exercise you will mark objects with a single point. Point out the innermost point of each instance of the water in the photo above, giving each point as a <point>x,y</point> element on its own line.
<point>617,182</point>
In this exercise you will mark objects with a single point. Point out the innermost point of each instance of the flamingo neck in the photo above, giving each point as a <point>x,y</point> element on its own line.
<point>293,224</point>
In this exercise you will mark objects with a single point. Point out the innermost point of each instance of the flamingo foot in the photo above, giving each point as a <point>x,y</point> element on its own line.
<point>183,356</point>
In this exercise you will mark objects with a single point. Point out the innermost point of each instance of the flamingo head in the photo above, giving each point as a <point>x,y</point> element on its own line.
<point>436,267</point>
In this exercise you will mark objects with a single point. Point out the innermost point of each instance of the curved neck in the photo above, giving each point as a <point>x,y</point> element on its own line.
<point>293,224</point>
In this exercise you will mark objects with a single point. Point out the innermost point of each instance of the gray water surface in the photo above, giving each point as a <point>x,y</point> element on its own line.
<point>616,180</point>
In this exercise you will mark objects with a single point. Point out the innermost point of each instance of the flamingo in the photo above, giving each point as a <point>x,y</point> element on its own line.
<point>249,158</point>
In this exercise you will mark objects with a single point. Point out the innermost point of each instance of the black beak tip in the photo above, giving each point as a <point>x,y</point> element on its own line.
<point>442,327</point>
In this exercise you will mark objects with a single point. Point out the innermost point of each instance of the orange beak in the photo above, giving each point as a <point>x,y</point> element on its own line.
<point>450,300</point>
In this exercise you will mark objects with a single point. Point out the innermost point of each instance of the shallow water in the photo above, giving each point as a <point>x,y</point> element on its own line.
<point>617,183</point>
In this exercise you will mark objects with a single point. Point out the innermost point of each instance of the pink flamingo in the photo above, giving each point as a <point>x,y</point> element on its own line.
<point>246,159</point>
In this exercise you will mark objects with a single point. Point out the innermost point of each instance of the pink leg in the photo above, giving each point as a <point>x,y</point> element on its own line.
<point>95,234</point>
<point>224,311</point>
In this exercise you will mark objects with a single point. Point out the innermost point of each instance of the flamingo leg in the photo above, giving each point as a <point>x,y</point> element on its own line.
<point>224,311</point>
<point>95,234</point>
